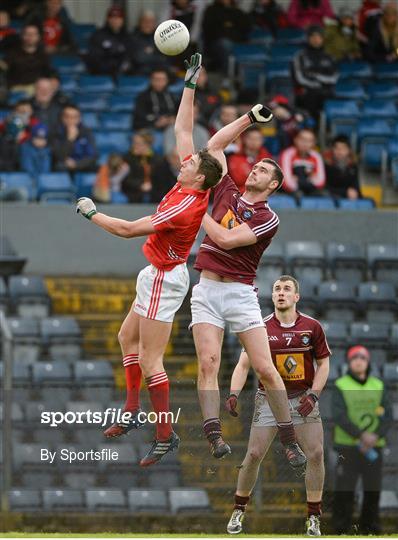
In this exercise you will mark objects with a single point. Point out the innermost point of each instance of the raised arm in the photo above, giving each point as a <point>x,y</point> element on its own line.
<point>184,121</point>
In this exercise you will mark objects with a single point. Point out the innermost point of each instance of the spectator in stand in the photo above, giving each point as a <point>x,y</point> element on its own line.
<point>224,116</point>
<point>108,46</point>
<point>240,165</point>
<point>144,57</point>
<point>58,96</point>
<point>35,154</point>
<point>8,35</point>
<point>73,145</point>
<point>383,35</point>
<point>14,131</point>
<point>19,10</point>
<point>223,25</point>
<point>288,120</point>
<point>207,98</point>
<point>180,10</point>
<point>55,23</point>
<point>27,61</point>
<point>155,107</point>
<point>341,40</point>
<point>45,107</point>
<point>137,185</point>
<point>306,13</point>
<point>268,15</point>
<point>314,73</point>
<point>109,178</point>
<point>164,175</point>
<point>369,9</point>
<point>303,166</point>
<point>200,134</point>
<point>342,177</point>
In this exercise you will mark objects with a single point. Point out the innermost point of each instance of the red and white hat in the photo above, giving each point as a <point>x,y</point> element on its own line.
<point>358,350</point>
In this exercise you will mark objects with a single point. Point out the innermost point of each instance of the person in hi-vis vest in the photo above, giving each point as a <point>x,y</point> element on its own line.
<point>362,416</point>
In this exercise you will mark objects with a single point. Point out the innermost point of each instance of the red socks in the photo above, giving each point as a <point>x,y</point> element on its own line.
<point>133,382</point>
<point>241,502</point>
<point>314,508</point>
<point>286,433</point>
<point>158,388</point>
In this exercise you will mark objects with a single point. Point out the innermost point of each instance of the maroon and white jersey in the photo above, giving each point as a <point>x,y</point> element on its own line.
<point>294,349</point>
<point>231,209</point>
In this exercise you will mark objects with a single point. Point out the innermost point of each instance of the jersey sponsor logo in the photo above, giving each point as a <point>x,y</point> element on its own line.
<point>229,220</point>
<point>291,366</point>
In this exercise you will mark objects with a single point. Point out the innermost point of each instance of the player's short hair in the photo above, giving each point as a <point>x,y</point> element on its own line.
<point>210,167</point>
<point>286,277</point>
<point>277,172</point>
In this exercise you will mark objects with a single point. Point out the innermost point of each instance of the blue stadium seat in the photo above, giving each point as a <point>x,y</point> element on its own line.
<point>341,109</point>
<point>21,376</point>
<point>382,90</point>
<point>380,108</point>
<point>21,181</point>
<point>294,36</point>
<point>251,75</point>
<point>394,172</point>
<point>67,64</point>
<point>337,300</point>
<point>177,87</point>
<point>383,261</point>
<point>112,141</point>
<point>68,82</point>
<point>84,183</point>
<point>147,500</point>
<point>349,90</point>
<point>386,70</point>
<point>54,183</point>
<point>317,203</point>
<point>16,95</point>
<point>374,128</point>
<point>373,152</point>
<point>97,371</point>
<point>368,334</point>
<point>248,52</point>
<point>90,119</point>
<point>96,83</point>
<point>260,36</point>
<point>120,103</point>
<point>358,204</point>
<point>378,301</point>
<point>134,84</point>
<point>283,52</point>
<point>392,148</point>
<point>119,198</point>
<point>115,121</point>
<point>61,500</point>
<point>81,34</point>
<point>355,70</point>
<point>306,260</point>
<point>51,372</point>
<point>61,328</point>
<point>347,261</point>
<point>29,296</point>
<point>281,202</point>
<point>92,102</point>
<point>277,71</point>
<point>336,332</point>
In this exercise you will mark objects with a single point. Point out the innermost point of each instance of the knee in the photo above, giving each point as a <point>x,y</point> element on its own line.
<point>208,364</point>
<point>315,455</point>
<point>254,456</point>
<point>267,374</point>
<point>126,340</point>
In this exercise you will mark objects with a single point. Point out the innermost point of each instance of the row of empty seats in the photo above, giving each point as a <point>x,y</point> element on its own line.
<point>77,372</point>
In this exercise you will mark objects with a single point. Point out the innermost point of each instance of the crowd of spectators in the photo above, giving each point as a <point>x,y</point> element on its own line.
<point>45,130</point>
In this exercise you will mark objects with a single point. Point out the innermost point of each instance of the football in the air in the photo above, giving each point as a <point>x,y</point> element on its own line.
<point>171,37</point>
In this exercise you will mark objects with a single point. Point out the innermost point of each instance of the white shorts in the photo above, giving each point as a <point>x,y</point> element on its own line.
<point>220,303</point>
<point>263,416</point>
<point>160,293</point>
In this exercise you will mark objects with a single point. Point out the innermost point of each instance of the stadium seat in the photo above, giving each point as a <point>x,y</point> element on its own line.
<point>394,172</point>
<point>378,301</point>
<point>58,183</point>
<point>392,149</point>
<point>10,261</point>
<point>29,296</point>
<point>355,70</point>
<point>276,72</point>
<point>25,499</point>
<point>336,333</point>
<point>346,261</point>
<point>112,141</point>
<point>189,500</point>
<point>372,156</point>
<point>4,298</point>
<point>27,340</point>
<point>394,336</point>
<point>370,334</point>
<point>382,90</point>
<point>68,83</point>
<point>51,372</point>
<point>83,406</point>
<point>96,83</point>
<point>84,183</point>
<point>280,52</point>
<point>127,456</point>
<point>294,36</point>
<point>283,202</point>
<point>87,102</point>
<point>67,65</point>
<point>391,372</point>
<point>308,299</point>
<point>317,203</point>
<point>105,500</point>
<point>272,265</point>
<point>387,70</point>
<point>39,478</point>
<point>388,500</point>
<point>334,108</point>
<point>306,260</point>
<point>177,87</point>
<point>357,204</point>
<point>121,103</point>
<point>383,261</point>
<point>21,181</point>
<point>251,75</point>
<point>62,336</point>
<point>249,52</point>
<point>90,119</point>
<point>52,436</point>
<point>380,108</point>
<point>134,84</point>
<point>337,300</point>
<point>60,500</point>
<point>26,455</point>
<point>153,501</point>
<point>75,480</point>
<point>349,90</point>
<point>119,198</point>
<point>97,371</point>
<point>115,121</point>
<point>16,412</point>
<point>377,129</point>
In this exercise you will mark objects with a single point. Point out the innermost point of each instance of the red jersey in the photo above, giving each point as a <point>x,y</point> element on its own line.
<point>230,209</point>
<point>312,163</point>
<point>294,348</point>
<point>177,222</point>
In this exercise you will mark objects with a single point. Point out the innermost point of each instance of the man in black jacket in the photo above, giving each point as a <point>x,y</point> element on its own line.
<point>107,50</point>
<point>314,73</point>
<point>143,55</point>
<point>155,107</point>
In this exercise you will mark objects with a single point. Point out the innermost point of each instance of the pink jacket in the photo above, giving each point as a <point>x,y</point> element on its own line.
<point>302,18</point>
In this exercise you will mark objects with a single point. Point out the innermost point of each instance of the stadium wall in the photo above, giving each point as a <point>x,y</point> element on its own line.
<point>58,242</point>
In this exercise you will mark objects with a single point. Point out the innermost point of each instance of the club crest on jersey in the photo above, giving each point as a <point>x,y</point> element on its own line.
<point>305,339</point>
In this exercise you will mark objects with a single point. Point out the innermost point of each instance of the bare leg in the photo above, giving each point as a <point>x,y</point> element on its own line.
<point>154,336</point>
<point>129,333</point>
<point>259,442</point>
<point>310,438</point>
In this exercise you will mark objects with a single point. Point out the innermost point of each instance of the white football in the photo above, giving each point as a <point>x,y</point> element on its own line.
<point>171,37</point>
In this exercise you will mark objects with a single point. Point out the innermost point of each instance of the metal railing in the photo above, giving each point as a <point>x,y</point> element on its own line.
<point>7,347</point>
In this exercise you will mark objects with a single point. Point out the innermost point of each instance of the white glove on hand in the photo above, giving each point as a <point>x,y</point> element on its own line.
<point>193,69</point>
<point>86,207</point>
<point>261,114</point>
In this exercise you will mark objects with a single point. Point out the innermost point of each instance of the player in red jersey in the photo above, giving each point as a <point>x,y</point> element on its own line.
<point>240,229</point>
<point>296,341</point>
<point>161,286</point>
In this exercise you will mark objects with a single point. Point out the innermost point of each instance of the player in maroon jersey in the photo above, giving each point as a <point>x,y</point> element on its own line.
<point>296,341</point>
<point>163,285</point>
<point>240,229</point>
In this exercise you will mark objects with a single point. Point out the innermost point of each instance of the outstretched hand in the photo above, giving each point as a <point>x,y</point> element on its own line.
<point>193,68</point>
<point>260,113</point>
<point>86,207</point>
